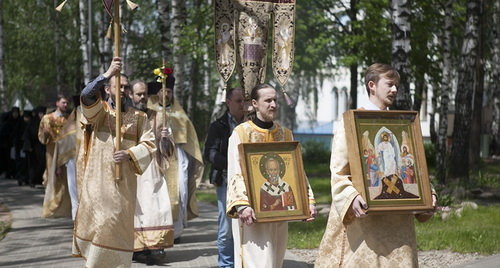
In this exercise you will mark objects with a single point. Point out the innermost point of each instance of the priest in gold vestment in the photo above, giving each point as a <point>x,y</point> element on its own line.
<point>186,167</point>
<point>352,237</point>
<point>154,230</point>
<point>256,244</point>
<point>104,225</point>
<point>57,133</point>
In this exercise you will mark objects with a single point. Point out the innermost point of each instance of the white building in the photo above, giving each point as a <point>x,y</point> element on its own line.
<point>333,101</point>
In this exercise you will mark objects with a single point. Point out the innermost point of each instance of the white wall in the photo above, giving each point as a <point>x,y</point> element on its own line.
<point>333,96</point>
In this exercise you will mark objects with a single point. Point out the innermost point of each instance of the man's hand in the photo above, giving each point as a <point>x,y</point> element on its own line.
<point>423,217</point>
<point>165,132</point>
<point>59,171</point>
<point>247,216</point>
<point>359,206</point>
<point>114,68</point>
<point>312,212</point>
<point>121,156</point>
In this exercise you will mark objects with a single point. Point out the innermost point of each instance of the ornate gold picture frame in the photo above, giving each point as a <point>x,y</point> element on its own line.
<point>275,180</point>
<point>387,160</point>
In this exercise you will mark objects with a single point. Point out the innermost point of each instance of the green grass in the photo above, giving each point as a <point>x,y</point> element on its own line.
<point>306,234</point>
<point>207,196</point>
<point>5,221</point>
<point>476,231</point>
<point>4,229</point>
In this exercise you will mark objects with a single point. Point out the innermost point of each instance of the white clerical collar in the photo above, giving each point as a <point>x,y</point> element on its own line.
<point>371,106</point>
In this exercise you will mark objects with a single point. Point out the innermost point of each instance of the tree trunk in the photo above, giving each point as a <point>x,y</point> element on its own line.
<point>127,24</point>
<point>445,89</point>
<point>477,105</point>
<point>353,11</point>
<point>420,92</point>
<point>179,17</point>
<point>57,46</point>
<point>354,86</point>
<point>459,159</point>
<point>401,48</point>
<point>165,34</point>
<point>104,42</point>
<point>84,44</point>
<point>3,99</point>
<point>432,115</point>
<point>288,116</point>
<point>495,88</point>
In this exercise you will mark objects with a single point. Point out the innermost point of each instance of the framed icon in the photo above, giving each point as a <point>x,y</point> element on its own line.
<point>387,160</point>
<point>275,180</point>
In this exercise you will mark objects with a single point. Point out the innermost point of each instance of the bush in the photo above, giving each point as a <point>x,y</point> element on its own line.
<point>315,152</point>
<point>316,159</point>
<point>430,155</point>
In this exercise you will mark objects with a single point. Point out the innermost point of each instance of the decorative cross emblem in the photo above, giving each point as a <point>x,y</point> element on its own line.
<point>281,188</point>
<point>269,188</point>
<point>391,186</point>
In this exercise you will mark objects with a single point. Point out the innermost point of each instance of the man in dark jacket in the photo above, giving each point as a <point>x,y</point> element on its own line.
<point>216,153</point>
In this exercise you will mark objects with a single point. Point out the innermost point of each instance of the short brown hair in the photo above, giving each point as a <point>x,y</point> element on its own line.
<point>229,92</point>
<point>254,95</point>
<point>377,70</point>
<point>61,96</point>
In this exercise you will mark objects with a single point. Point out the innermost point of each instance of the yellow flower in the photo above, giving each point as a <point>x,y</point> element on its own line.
<point>157,71</point>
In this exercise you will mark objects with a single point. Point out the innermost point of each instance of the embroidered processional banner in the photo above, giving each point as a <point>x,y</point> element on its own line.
<point>242,29</point>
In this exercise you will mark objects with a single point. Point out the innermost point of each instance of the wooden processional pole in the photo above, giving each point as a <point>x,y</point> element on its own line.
<point>164,95</point>
<point>118,98</point>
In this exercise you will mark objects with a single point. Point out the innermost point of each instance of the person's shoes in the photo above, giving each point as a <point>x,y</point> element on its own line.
<point>158,256</point>
<point>177,240</point>
<point>140,256</point>
<point>150,261</point>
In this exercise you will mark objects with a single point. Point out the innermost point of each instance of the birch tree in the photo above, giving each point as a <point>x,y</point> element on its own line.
<point>495,77</point>
<point>84,41</point>
<point>164,25</point>
<point>401,29</point>
<point>459,158</point>
<point>3,104</point>
<point>445,89</point>
<point>179,15</point>
<point>477,99</point>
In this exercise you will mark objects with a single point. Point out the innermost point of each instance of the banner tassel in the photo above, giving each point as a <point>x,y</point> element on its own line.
<point>288,100</point>
<point>132,5</point>
<point>109,32</point>
<point>61,5</point>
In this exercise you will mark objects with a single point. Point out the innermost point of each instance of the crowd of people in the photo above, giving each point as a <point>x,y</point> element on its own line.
<point>142,210</point>
<point>21,153</point>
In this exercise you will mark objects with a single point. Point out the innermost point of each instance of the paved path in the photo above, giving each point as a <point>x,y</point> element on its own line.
<point>37,242</point>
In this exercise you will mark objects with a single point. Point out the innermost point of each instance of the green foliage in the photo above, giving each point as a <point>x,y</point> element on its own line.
<point>31,31</point>
<point>144,37</point>
<point>322,189</point>
<point>4,229</point>
<point>314,152</point>
<point>306,234</point>
<point>430,155</point>
<point>316,158</point>
<point>476,231</point>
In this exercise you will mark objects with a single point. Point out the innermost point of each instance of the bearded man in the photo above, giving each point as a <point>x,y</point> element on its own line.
<point>256,244</point>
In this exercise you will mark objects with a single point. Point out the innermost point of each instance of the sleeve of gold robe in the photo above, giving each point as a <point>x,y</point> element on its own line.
<point>236,189</point>
<point>93,113</point>
<point>43,137</point>
<point>143,152</point>
<point>343,192</point>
